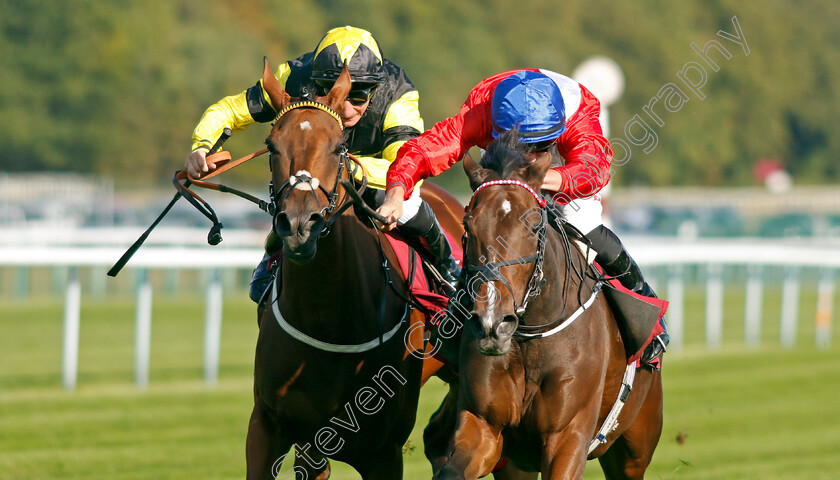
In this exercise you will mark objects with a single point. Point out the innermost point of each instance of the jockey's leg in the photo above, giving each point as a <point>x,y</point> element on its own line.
<point>262,276</point>
<point>616,262</point>
<point>260,280</point>
<point>585,215</point>
<point>419,220</point>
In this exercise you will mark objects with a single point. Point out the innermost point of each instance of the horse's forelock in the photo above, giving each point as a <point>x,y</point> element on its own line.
<point>505,154</point>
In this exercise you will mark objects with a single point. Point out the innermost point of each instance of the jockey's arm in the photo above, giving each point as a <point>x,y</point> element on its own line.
<point>402,123</point>
<point>587,169</point>
<point>236,112</point>
<point>587,154</point>
<point>437,149</point>
<point>553,181</point>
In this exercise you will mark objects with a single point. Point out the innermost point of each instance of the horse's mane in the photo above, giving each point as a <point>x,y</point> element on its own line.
<point>308,91</point>
<point>505,154</point>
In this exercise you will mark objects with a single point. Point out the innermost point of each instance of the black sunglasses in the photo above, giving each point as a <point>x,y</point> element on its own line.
<point>540,147</point>
<point>359,94</point>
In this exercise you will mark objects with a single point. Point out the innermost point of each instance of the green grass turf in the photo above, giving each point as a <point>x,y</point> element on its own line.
<point>767,413</point>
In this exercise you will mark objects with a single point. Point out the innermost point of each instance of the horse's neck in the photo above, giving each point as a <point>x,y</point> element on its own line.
<point>347,260</point>
<point>563,264</point>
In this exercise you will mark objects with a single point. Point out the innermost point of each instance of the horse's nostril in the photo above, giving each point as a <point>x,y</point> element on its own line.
<point>507,326</point>
<point>282,225</point>
<point>315,218</point>
<point>475,324</point>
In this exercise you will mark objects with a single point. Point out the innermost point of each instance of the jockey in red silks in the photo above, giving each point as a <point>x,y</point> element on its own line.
<point>554,115</point>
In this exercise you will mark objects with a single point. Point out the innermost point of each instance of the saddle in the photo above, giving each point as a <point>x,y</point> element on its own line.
<point>637,317</point>
<point>422,281</point>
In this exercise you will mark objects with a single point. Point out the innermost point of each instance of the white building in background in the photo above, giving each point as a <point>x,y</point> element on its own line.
<point>55,199</point>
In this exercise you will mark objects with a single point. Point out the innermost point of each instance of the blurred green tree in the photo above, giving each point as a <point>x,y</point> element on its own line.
<point>116,87</point>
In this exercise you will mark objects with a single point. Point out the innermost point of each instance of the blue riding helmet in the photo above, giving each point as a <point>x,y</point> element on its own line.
<point>532,102</point>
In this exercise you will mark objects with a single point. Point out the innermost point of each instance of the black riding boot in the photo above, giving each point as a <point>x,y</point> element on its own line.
<point>616,262</point>
<point>262,277</point>
<point>425,226</point>
<point>260,281</point>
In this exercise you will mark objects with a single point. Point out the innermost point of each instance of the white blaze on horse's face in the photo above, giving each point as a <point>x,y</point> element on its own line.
<point>492,300</point>
<point>305,125</point>
<point>505,207</point>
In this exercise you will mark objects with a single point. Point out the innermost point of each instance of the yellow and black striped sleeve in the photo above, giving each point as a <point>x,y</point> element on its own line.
<point>236,112</point>
<point>402,123</point>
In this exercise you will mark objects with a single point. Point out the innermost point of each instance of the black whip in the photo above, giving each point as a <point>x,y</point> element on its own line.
<point>137,244</point>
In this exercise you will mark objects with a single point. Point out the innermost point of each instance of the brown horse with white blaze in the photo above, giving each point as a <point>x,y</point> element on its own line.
<point>332,377</point>
<point>542,363</point>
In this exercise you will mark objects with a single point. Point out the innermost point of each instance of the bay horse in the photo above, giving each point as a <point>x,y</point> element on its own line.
<point>541,360</point>
<point>332,375</point>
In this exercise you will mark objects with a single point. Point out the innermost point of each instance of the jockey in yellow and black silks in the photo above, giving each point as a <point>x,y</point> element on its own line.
<point>380,114</point>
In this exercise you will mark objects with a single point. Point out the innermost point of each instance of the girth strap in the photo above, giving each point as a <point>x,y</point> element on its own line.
<point>333,347</point>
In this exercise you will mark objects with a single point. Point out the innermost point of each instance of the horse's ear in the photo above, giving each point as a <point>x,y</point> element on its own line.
<point>272,87</point>
<point>476,173</point>
<point>338,93</point>
<point>534,173</point>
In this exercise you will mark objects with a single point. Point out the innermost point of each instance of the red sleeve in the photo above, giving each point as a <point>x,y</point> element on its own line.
<point>587,152</point>
<point>437,149</point>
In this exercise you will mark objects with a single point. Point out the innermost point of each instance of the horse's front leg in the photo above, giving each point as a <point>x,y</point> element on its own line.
<point>386,464</point>
<point>440,430</point>
<point>564,455</point>
<point>310,464</point>
<point>266,445</point>
<point>474,451</point>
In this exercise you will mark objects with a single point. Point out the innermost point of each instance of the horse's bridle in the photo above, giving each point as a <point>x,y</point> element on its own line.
<point>331,212</point>
<point>492,271</point>
<point>302,180</point>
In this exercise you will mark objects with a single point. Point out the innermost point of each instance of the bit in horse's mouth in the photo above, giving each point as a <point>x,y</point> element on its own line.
<point>302,255</point>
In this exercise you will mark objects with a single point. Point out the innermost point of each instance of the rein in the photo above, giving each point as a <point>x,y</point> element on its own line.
<point>215,235</point>
<point>224,163</point>
<point>299,181</point>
